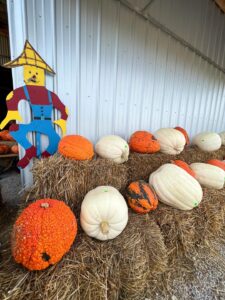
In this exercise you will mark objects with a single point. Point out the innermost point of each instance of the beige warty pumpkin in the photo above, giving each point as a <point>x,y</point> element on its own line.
<point>171,140</point>
<point>209,175</point>
<point>175,187</point>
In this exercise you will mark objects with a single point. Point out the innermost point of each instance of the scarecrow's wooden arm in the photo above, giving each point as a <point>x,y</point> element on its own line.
<point>64,113</point>
<point>12,114</point>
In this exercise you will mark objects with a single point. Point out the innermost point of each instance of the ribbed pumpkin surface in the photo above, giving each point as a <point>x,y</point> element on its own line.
<point>76,147</point>
<point>217,163</point>
<point>43,233</point>
<point>182,130</point>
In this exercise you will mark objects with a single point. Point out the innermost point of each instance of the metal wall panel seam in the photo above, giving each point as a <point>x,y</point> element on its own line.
<point>77,62</point>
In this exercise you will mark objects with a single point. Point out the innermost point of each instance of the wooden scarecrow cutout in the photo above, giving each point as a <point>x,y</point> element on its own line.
<point>42,102</point>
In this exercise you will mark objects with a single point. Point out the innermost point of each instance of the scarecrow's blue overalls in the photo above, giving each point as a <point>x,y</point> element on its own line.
<point>41,123</point>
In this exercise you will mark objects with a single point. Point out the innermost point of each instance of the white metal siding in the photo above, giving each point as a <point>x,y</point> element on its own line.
<point>116,72</point>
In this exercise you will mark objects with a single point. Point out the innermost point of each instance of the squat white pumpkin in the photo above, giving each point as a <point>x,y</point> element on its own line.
<point>209,175</point>
<point>222,136</point>
<point>113,147</point>
<point>171,140</point>
<point>104,213</point>
<point>175,187</point>
<point>207,141</point>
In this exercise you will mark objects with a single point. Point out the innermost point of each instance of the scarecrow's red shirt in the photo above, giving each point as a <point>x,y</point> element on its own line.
<point>39,96</point>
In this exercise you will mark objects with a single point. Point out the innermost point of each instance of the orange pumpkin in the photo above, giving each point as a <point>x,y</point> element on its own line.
<point>43,233</point>
<point>15,149</point>
<point>217,163</point>
<point>4,149</point>
<point>141,198</point>
<point>5,136</point>
<point>182,164</point>
<point>76,147</point>
<point>182,130</point>
<point>143,142</point>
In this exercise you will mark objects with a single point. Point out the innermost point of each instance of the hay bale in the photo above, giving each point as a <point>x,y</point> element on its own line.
<point>185,231</point>
<point>68,180</point>
<point>114,269</point>
<point>140,166</point>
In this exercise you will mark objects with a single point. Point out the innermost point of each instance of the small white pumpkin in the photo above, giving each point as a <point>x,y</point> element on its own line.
<point>222,136</point>
<point>209,175</point>
<point>171,140</point>
<point>207,141</point>
<point>104,213</point>
<point>114,148</point>
<point>175,187</point>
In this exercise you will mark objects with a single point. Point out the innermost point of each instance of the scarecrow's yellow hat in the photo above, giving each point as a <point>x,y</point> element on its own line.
<point>30,57</point>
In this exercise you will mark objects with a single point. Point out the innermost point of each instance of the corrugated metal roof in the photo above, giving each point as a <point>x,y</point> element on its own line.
<point>117,73</point>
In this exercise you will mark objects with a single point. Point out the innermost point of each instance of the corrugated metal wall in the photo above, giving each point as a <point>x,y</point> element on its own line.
<point>117,73</point>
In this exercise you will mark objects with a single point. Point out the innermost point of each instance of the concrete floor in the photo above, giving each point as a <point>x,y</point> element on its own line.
<point>10,187</point>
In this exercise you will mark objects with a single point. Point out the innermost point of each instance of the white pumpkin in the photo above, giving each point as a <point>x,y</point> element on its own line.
<point>207,141</point>
<point>171,140</point>
<point>114,148</point>
<point>222,136</point>
<point>175,187</point>
<point>209,175</point>
<point>104,213</point>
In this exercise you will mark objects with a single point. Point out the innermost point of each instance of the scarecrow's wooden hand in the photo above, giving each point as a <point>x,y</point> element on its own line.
<point>11,115</point>
<point>62,124</point>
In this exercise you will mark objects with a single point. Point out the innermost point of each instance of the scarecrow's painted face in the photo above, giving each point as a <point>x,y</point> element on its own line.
<point>33,75</point>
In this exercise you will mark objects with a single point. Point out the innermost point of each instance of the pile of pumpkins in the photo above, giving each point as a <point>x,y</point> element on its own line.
<point>47,228</point>
<point>166,140</point>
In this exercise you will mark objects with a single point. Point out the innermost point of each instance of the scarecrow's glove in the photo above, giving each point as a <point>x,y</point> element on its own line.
<point>62,124</point>
<point>11,115</point>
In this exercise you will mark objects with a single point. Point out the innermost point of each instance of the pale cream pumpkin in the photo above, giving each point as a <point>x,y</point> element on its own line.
<point>175,187</point>
<point>113,147</point>
<point>209,175</point>
<point>171,140</point>
<point>104,213</point>
<point>222,136</point>
<point>207,141</point>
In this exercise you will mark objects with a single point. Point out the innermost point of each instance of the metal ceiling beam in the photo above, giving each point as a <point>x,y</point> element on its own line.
<point>173,35</point>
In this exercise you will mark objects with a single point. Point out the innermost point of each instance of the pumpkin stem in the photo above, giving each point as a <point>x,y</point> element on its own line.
<point>104,227</point>
<point>45,205</point>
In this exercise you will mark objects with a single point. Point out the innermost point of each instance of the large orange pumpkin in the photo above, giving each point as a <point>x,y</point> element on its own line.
<point>182,130</point>
<point>43,233</point>
<point>143,142</point>
<point>141,198</point>
<point>217,163</point>
<point>76,147</point>
<point>182,164</point>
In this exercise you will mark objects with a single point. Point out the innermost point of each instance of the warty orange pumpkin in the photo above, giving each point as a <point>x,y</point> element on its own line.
<point>141,198</point>
<point>143,142</point>
<point>43,233</point>
<point>182,164</point>
<point>76,147</point>
<point>182,130</point>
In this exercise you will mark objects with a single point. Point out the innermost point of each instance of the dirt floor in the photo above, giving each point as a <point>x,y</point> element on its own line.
<point>205,281</point>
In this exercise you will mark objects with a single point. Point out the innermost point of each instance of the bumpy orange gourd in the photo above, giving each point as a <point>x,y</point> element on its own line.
<point>217,163</point>
<point>182,164</point>
<point>5,136</point>
<point>141,198</point>
<point>43,233</point>
<point>182,130</point>
<point>15,149</point>
<point>143,142</point>
<point>4,149</point>
<point>76,147</point>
